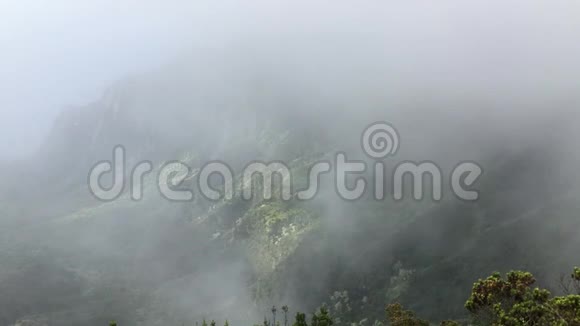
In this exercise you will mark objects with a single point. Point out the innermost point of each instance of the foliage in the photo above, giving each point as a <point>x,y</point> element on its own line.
<point>513,302</point>
<point>397,316</point>
<point>285,310</point>
<point>571,284</point>
<point>496,301</point>
<point>322,318</point>
<point>576,274</point>
<point>300,319</point>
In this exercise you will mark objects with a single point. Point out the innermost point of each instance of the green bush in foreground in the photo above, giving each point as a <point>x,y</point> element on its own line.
<point>513,302</point>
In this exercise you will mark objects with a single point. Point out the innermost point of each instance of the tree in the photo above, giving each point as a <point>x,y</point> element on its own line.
<point>300,320</point>
<point>513,302</point>
<point>285,310</point>
<point>397,316</point>
<point>274,315</point>
<point>322,318</point>
<point>571,284</point>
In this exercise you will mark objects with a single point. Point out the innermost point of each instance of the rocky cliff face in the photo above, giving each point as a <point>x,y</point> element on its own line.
<point>160,262</point>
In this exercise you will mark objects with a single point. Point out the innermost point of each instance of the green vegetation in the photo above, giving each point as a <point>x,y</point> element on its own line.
<point>509,301</point>
<point>496,301</point>
<point>512,301</point>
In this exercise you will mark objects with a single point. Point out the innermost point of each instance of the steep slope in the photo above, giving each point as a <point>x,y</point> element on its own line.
<point>157,262</point>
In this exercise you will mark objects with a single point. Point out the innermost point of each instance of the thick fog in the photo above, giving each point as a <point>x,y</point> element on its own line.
<point>60,53</point>
<point>494,82</point>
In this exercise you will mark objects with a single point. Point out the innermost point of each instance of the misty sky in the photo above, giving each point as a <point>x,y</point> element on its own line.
<point>56,53</point>
<point>59,52</point>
